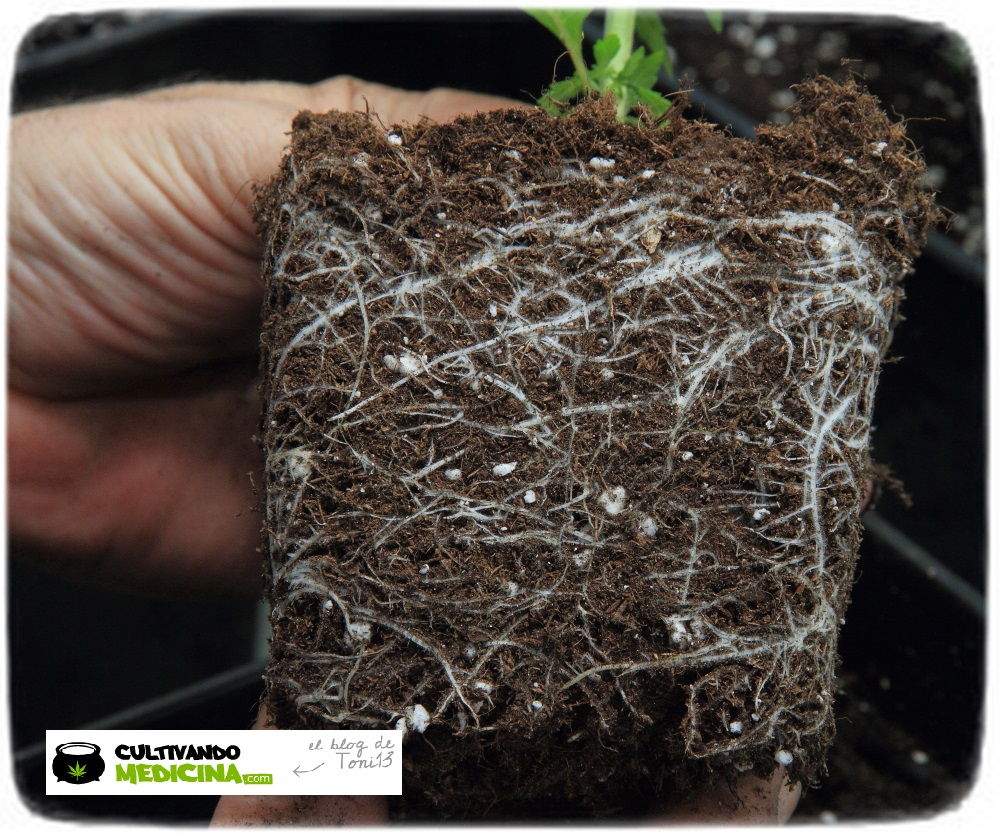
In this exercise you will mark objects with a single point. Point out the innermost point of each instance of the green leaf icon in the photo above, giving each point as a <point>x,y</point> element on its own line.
<point>78,771</point>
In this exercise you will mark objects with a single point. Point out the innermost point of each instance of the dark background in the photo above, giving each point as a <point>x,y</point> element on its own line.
<point>913,644</point>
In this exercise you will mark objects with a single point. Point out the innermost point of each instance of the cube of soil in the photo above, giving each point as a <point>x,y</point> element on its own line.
<point>567,425</point>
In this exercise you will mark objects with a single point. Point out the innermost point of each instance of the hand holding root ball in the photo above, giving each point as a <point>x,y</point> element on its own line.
<point>134,319</point>
<point>134,302</point>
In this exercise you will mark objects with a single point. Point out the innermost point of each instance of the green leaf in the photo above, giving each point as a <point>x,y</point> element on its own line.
<point>715,20</point>
<point>633,63</point>
<point>554,100</point>
<point>647,71</point>
<point>655,103</point>
<point>565,90</point>
<point>78,771</point>
<point>604,50</point>
<point>547,105</point>
<point>567,25</point>
<point>651,31</point>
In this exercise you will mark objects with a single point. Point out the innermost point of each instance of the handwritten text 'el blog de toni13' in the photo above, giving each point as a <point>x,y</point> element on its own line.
<point>359,754</point>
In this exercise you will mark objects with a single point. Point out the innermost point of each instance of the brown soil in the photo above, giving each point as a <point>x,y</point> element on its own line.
<point>916,69</point>
<point>567,425</point>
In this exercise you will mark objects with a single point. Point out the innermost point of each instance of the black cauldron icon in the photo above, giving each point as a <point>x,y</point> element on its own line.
<point>78,762</point>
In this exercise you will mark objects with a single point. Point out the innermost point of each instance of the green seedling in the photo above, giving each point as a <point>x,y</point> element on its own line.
<point>618,67</point>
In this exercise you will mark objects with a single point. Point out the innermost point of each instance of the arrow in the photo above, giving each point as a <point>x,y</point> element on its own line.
<point>298,772</point>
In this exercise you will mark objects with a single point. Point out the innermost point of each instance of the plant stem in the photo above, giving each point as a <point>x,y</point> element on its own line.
<point>580,65</point>
<point>621,22</point>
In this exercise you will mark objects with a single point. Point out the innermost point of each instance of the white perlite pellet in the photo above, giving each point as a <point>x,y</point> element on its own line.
<point>503,469</point>
<point>614,500</point>
<point>418,718</point>
<point>679,634</point>
<point>299,463</point>
<point>359,632</point>
<point>406,364</point>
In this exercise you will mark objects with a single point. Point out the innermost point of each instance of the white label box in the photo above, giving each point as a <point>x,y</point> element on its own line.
<point>210,762</point>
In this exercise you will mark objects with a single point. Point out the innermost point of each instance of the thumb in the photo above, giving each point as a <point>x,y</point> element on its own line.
<point>750,801</point>
<point>240,129</point>
<point>304,810</point>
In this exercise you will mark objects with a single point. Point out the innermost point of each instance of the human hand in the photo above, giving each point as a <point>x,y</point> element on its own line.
<point>134,300</point>
<point>751,800</point>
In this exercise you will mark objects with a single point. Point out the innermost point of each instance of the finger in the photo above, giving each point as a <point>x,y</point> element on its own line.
<point>315,811</point>
<point>250,145</point>
<point>345,93</point>
<point>149,490</point>
<point>866,496</point>
<point>134,255</point>
<point>752,800</point>
<point>288,92</point>
<point>130,254</point>
<point>393,105</point>
<point>244,145</point>
<point>240,147</point>
<point>133,250</point>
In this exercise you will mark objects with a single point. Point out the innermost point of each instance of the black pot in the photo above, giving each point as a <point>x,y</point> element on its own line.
<point>78,762</point>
